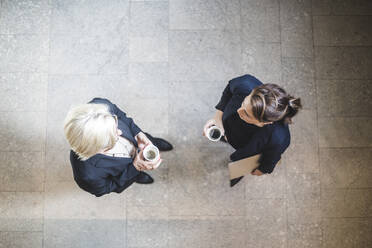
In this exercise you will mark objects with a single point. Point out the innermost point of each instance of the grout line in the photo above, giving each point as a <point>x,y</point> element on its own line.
<point>285,168</point>
<point>46,116</point>
<point>340,15</point>
<point>317,125</point>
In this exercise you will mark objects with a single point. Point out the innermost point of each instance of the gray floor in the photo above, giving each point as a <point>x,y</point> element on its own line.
<point>166,63</point>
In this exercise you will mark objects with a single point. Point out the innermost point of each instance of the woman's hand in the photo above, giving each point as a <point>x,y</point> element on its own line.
<point>257,172</point>
<point>141,164</point>
<point>142,140</point>
<point>213,122</point>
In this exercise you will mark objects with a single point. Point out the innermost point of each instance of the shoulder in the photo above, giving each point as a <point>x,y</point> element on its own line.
<point>244,84</point>
<point>280,135</point>
<point>105,101</point>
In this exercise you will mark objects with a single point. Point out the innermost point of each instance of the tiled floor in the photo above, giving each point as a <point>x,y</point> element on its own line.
<point>166,64</point>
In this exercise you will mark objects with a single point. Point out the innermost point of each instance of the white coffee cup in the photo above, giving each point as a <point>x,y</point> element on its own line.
<point>214,133</point>
<point>151,153</point>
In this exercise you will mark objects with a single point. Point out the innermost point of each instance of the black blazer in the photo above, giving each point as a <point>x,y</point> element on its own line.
<point>101,174</point>
<point>270,140</point>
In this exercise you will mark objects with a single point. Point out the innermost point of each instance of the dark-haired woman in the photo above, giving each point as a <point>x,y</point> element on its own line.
<point>254,118</point>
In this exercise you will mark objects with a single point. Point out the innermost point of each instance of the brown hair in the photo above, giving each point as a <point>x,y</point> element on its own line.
<point>272,103</point>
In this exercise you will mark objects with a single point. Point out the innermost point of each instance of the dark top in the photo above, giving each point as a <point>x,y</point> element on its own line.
<point>101,174</point>
<point>271,140</point>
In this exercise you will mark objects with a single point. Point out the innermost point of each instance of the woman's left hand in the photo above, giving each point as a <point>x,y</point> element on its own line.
<point>257,172</point>
<point>142,140</point>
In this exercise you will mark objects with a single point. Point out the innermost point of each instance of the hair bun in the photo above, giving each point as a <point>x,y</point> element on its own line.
<point>294,103</point>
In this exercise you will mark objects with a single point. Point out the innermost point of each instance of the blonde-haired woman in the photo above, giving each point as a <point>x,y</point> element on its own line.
<point>104,148</point>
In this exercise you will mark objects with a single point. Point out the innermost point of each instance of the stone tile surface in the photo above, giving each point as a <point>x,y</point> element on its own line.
<point>267,217</point>
<point>149,19</point>
<point>74,53</point>
<point>204,14</point>
<point>89,17</point>
<point>345,168</point>
<point>25,17</point>
<point>296,21</point>
<point>298,80</point>
<point>353,232</point>
<point>330,62</point>
<point>84,233</point>
<point>21,239</point>
<point>22,131</point>
<point>262,60</point>
<point>204,55</point>
<point>345,132</point>
<point>340,7</point>
<point>21,211</point>
<point>342,31</point>
<point>165,63</point>
<point>304,235</point>
<point>344,98</point>
<point>347,203</point>
<point>147,226</point>
<point>22,171</point>
<point>260,21</point>
<point>303,198</point>
<point>148,49</point>
<point>24,53</point>
<point>23,91</point>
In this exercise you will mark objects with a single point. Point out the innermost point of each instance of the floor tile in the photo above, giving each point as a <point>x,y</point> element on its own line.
<point>346,167</point>
<point>303,198</point>
<point>344,98</point>
<point>21,239</point>
<point>263,60</point>
<point>149,19</point>
<point>24,53</point>
<point>65,200</point>
<point>77,233</point>
<point>260,21</point>
<point>330,62</point>
<point>342,31</point>
<point>89,54</point>
<point>345,132</point>
<point>204,14</point>
<point>204,55</point>
<point>340,7</point>
<point>25,17</point>
<point>89,17</point>
<point>22,131</point>
<point>148,49</point>
<point>21,211</point>
<point>304,235</point>
<point>298,80</point>
<point>347,203</point>
<point>351,232</point>
<point>22,171</point>
<point>23,91</point>
<point>295,21</point>
<point>147,226</point>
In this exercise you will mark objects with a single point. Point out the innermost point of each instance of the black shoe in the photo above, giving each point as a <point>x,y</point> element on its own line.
<point>160,143</point>
<point>144,178</point>
<point>235,181</point>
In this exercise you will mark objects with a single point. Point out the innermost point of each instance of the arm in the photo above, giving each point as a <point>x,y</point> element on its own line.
<point>225,98</point>
<point>121,115</point>
<point>269,159</point>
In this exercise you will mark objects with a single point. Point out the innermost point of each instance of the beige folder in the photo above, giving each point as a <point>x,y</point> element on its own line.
<point>244,166</point>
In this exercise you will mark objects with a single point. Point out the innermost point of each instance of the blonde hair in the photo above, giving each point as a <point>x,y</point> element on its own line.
<point>90,128</point>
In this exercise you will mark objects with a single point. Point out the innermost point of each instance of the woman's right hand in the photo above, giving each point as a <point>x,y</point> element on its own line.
<point>141,164</point>
<point>213,122</point>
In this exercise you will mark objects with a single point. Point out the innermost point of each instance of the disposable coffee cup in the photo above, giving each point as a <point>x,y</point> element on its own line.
<point>214,133</point>
<point>151,153</point>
